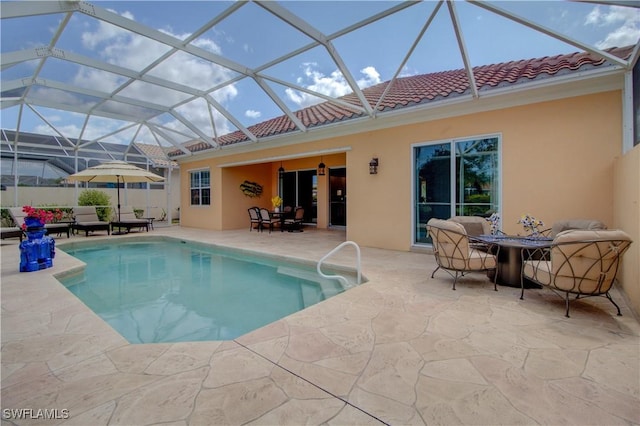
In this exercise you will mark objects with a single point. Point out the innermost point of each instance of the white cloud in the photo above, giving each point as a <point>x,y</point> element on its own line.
<point>198,113</point>
<point>408,72</point>
<point>73,131</point>
<point>203,43</point>
<point>129,50</point>
<point>252,114</point>
<point>105,32</point>
<point>625,19</point>
<point>623,36</point>
<point>371,77</point>
<point>334,85</point>
<point>92,78</point>
<point>66,98</point>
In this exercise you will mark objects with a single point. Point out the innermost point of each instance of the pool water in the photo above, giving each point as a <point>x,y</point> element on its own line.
<point>172,291</point>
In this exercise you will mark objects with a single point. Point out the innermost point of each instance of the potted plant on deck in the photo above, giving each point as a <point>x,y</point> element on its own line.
<point>38,250</point>
<point>276,202</point>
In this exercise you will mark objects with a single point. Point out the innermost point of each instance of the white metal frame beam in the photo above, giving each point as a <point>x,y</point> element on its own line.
<point>259,74</point>
<point>548,31</point>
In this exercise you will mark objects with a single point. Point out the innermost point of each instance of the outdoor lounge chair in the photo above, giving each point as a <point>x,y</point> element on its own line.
<point>254,218</point>
<point>580,262</point>
<point>11,232</point>
<point>18,216</point>
<point>87,220</point>
<point>454,251</point>
<point>128,220</point>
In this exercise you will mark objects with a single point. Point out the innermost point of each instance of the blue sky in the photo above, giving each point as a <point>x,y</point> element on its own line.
<point>251,36</point>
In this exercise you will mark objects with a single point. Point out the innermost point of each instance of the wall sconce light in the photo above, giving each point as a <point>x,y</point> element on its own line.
<point>321,168</point>
<point>373,166</point>
<point>281,170</point>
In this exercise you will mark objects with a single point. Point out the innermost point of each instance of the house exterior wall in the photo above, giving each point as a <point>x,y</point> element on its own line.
<point>557,161</point>
<point>228,209</point>
<point>556,164</point>
<point>626,207</point>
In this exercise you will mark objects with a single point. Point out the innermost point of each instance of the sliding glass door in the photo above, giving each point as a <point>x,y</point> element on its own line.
<point>300,188</point>
<point>463,183</point>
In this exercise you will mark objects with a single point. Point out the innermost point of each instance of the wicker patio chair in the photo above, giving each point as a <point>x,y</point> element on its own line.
<point>454,251</point>
<point>580,262</point>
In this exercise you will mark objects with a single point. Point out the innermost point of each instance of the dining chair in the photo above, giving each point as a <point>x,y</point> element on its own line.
<point>295,223</point>
<point>267,220</point>
<point>254,218</point>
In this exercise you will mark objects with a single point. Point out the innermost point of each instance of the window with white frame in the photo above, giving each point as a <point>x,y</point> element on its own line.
<point>200,188</point>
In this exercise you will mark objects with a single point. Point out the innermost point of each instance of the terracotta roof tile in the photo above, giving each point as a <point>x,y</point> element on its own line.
<point>156,154</point>
<point>414,90</point>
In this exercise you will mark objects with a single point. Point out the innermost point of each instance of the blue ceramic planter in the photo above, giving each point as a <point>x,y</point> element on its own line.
<point>38,250</point>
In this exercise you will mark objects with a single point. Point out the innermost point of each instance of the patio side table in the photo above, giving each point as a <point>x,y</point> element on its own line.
<point>150,221</point>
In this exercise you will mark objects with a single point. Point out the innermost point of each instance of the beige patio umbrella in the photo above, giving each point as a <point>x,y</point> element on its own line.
<point>115,171</point>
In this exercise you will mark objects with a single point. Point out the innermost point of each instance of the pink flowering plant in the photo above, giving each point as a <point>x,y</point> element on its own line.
<point>531,224</point>
<point>44,216</point>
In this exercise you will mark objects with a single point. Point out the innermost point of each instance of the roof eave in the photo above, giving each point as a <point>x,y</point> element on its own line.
<point>538,90</point>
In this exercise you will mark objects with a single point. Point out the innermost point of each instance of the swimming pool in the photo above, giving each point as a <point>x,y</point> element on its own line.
<point>170,290</point>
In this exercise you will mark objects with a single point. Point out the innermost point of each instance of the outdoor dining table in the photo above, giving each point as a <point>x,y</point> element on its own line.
<point>282,215</point>
<point>509,267</point>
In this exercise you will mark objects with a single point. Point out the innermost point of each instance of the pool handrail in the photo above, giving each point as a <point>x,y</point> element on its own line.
<point>344,281</point>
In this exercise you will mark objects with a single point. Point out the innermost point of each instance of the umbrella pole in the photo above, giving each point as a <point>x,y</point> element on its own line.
<point>118,190</point>
<point>118,187</point>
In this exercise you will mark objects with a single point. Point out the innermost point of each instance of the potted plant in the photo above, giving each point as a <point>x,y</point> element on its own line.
<point>531,225</point>
<point>38,250</point>
<point>36,218</point>
<point>276,202</point>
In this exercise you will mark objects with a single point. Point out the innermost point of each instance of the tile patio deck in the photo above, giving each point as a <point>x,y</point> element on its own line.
<point>400,349</point>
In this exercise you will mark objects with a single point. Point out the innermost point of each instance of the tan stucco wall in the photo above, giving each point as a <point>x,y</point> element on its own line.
<point>229,205</point>
<point>626,195</point>
<point>557,163</point>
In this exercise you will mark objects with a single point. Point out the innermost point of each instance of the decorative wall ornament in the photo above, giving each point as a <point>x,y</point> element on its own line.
<point>251,189</point>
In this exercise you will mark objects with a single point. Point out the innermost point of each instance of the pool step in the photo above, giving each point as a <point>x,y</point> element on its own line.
<point>328,287</point>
